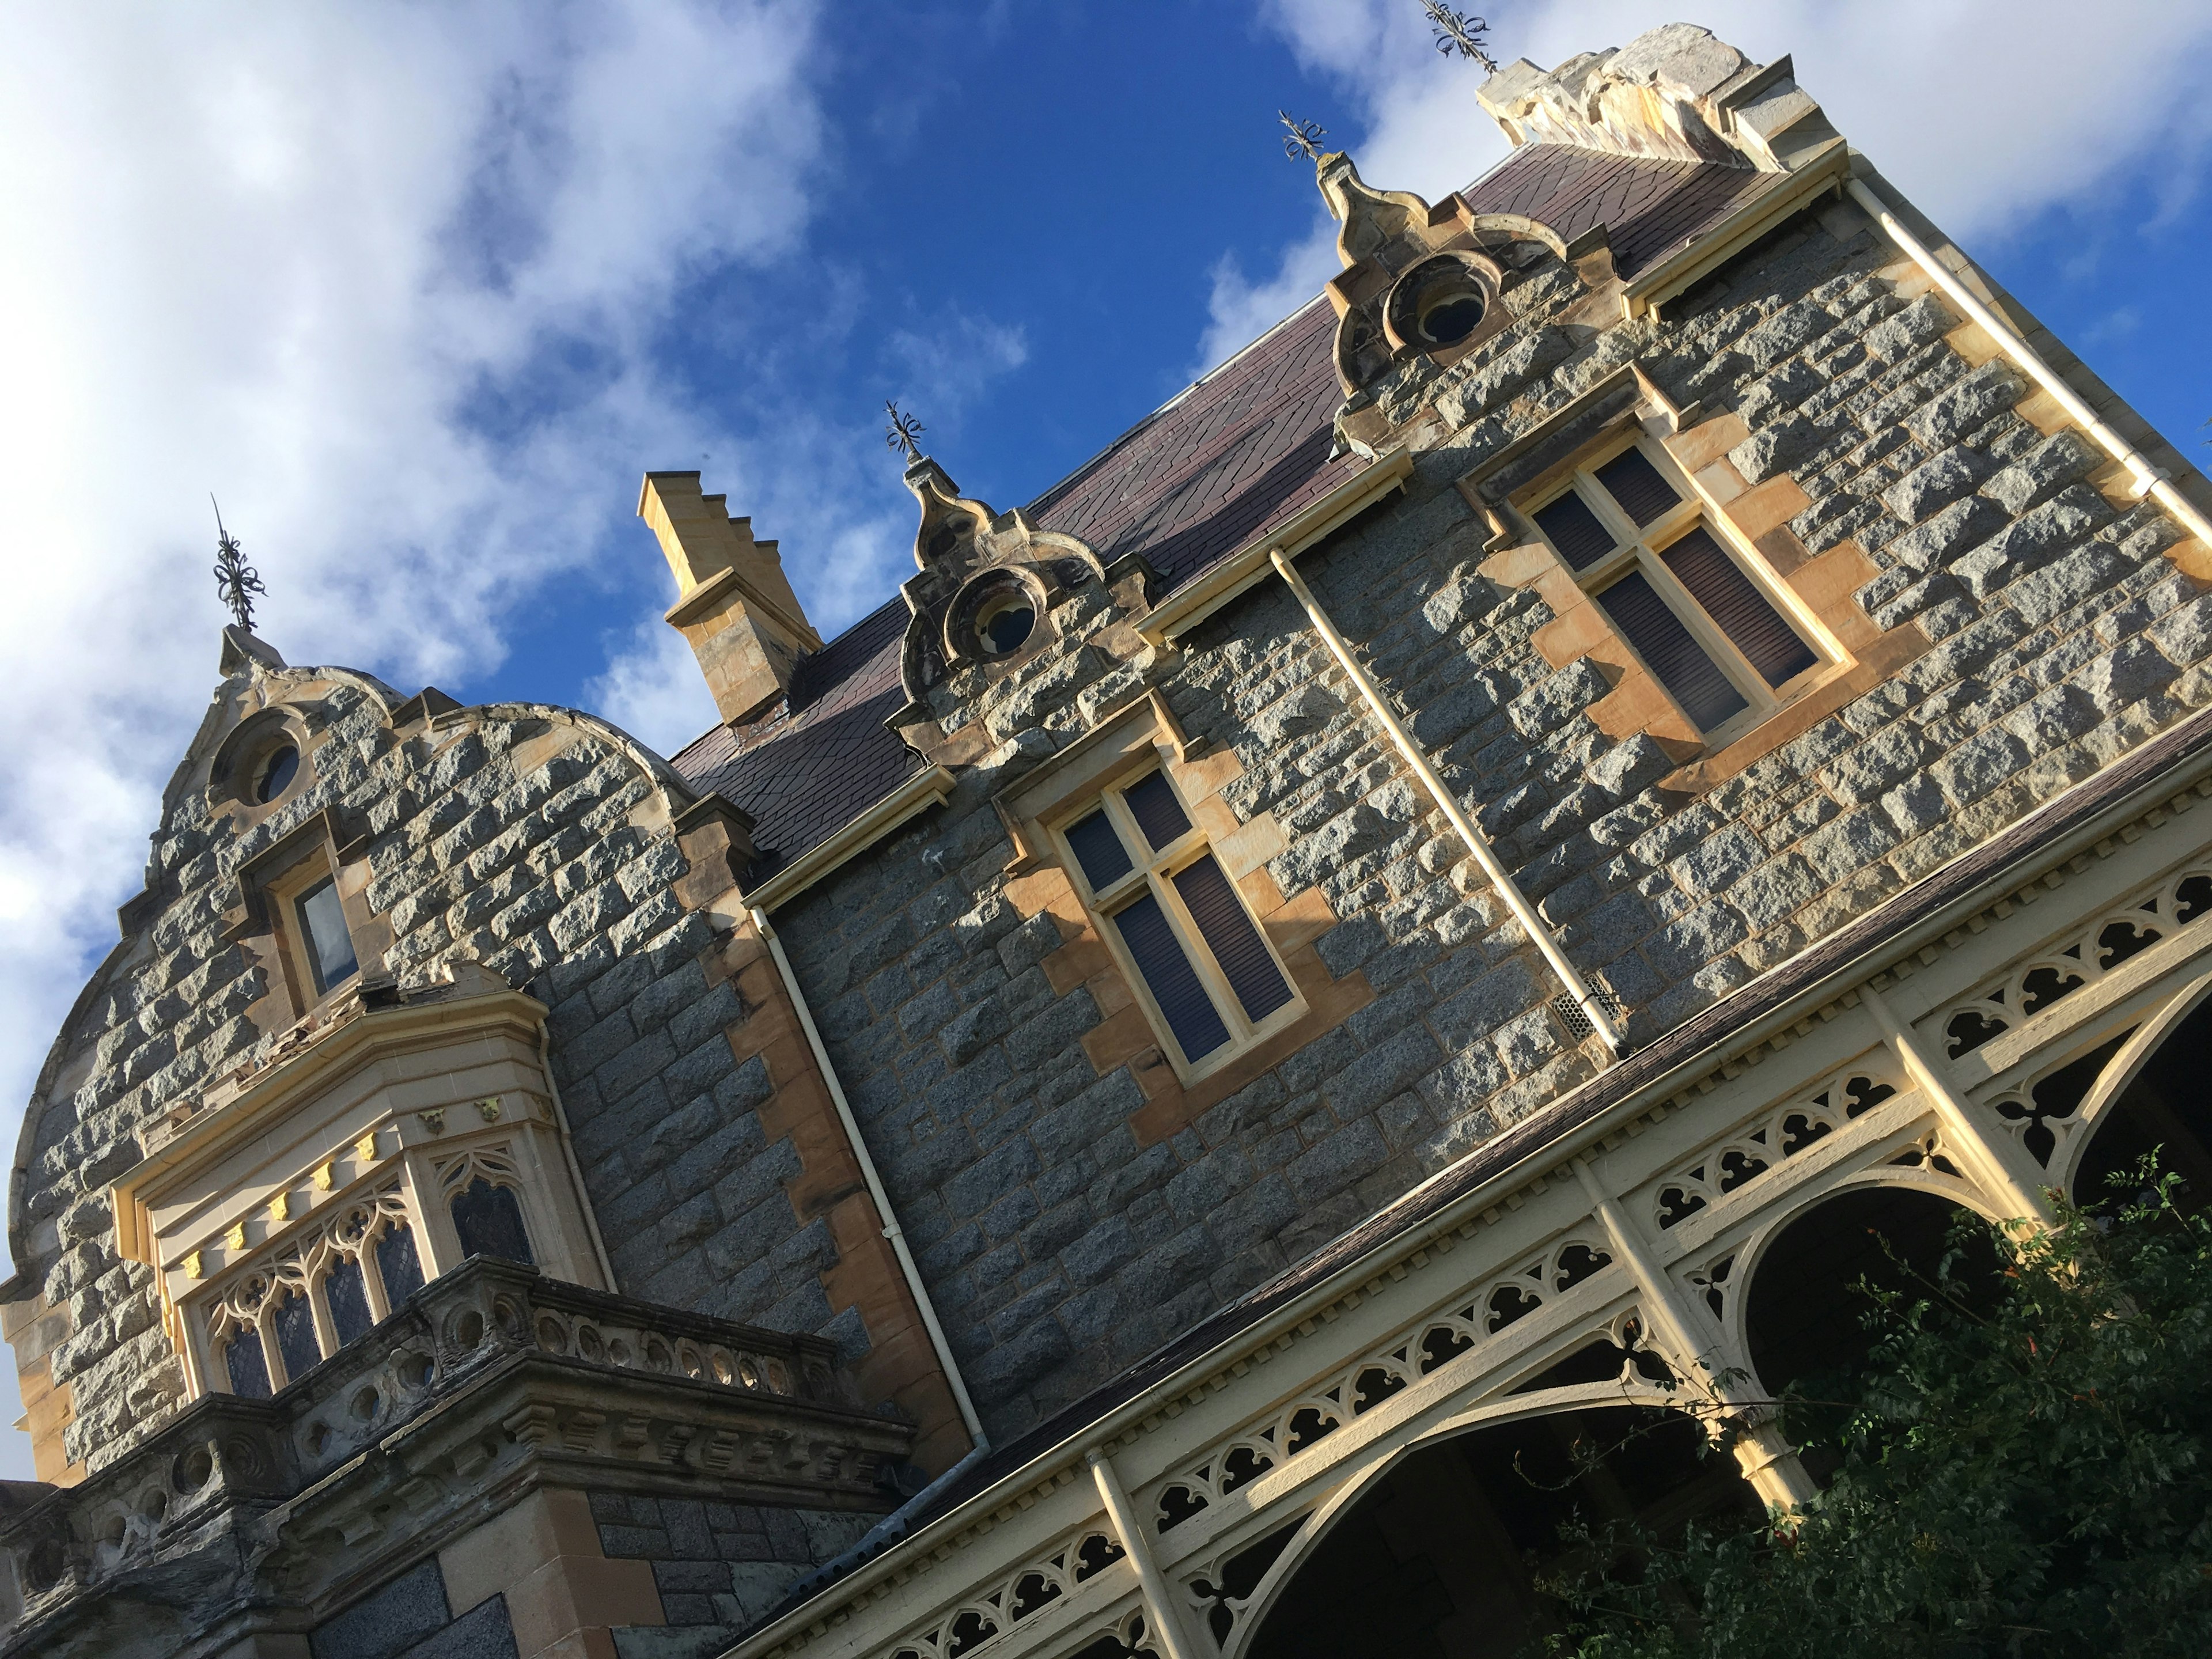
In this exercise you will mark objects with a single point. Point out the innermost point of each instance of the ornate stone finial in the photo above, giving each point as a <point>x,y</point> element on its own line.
<point>902,432</point>
<point>1459,34</point>
<point>236,580</point>
<point>1302,137</point>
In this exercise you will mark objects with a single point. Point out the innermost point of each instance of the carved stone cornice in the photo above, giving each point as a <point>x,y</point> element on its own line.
<point>246,1516</point>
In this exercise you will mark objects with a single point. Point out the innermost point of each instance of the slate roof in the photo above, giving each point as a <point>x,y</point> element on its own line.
<point>1243,449</point>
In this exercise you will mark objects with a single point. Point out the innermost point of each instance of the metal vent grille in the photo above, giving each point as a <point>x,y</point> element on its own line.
<point>1577,1022</point>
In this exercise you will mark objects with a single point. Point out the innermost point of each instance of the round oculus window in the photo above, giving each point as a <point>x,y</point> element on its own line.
<point>1005,620</point>
<point>1439,302</point>
<point>1452,313</point>
<point>276,774</point>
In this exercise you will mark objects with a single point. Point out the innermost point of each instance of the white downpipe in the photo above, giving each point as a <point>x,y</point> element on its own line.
<point>1477,843</point>
<point>875,1184</point>
<point>1159,1599</point>
<point>569,1155</point>
<point>2148,480</point>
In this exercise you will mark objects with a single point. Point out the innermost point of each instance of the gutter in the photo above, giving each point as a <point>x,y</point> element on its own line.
<point>979,1440</point>
<point>925,789</point>
<point>2148,479</point>
<point>1195,601</point>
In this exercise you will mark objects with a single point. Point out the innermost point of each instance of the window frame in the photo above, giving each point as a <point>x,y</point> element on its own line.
<point>287,893</point>
<point>1640,549</point>
<point>1154,871</point>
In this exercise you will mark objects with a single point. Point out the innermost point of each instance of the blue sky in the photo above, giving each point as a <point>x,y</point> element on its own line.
<point>420,290</point>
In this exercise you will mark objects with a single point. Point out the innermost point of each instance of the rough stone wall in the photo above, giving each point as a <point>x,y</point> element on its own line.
<point>542,870</point>
<point>720,1567</point>
<point>1058,1247</point>
<point>411,1618</point>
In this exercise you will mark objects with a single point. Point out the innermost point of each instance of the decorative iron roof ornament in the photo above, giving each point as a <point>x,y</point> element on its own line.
<point>235,581</point>
<point>1459,34</point>
<point>902,432</point>
<point>1303,138</point>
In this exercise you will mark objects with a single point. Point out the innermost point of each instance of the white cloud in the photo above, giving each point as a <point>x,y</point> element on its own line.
<point>384,278</point>
<point>1983,111</point>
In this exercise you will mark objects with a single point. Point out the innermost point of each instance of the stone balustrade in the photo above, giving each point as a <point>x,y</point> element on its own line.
<point>533,1381</point>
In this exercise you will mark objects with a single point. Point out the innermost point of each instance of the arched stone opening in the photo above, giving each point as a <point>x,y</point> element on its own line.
<point>2167,1107</point>
<point>1805,1322</point>
<point>1441,1558</point>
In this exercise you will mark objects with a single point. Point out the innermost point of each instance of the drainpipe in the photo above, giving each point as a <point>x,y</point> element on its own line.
<point>1588,1001</point>
<point>2148,479</point>
<point>569,1155</point>
<point>875,1182</point>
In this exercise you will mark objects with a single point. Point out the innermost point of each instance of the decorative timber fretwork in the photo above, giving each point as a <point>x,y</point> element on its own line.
<point>1374,1376</point>
<point>491,1379</point>
<point>1759,1146</point>
<point>1033,1586</point>
<point>2079,958</point>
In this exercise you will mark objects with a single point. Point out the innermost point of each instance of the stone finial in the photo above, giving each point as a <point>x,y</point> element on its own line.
<point>734,604</point>
<point>1674,92</point>
<point>1370,220</point>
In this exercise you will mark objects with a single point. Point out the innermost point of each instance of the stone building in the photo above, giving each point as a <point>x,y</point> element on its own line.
<point>1421,903</point>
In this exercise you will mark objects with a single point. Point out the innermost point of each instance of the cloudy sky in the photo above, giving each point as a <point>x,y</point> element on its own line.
<point>419,290</point>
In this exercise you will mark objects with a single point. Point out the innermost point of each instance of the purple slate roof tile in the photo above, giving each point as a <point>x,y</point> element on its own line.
<point>1242,450</point>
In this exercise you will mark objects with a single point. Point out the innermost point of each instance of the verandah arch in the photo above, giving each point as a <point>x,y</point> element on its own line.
<point>1431,1560</point>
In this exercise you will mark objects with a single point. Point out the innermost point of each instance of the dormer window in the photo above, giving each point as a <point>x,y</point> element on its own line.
<point>323,940</point>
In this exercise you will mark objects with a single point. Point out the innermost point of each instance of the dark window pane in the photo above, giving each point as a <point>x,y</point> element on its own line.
<point>1098,849</point>
<point>1733,599</point>
<point>1670,652</point>
<point>1236,943</point>
<point>248,1367</point>
<point>1170,977</point>
<point>295,1336</point>
<point>276,774</point>
<point>1641,489</point>
<point>1575,530</point>
<point>349,1301</point>
<point>397,1265</point>
<point>330,947</point>
<point>1157,813</point>
<point>489,1218</point>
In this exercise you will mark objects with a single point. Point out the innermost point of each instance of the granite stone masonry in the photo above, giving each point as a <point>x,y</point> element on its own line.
<point>1640,584</point>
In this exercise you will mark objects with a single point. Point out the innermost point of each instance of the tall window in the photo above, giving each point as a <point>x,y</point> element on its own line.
<point>276,1323</point>
<point>1673,590</point>
<point>324,938</point>
<point>1210,980</point>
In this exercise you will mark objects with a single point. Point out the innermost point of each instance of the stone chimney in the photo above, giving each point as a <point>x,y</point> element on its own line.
<point>1673,92</point>
<point>734,605</point>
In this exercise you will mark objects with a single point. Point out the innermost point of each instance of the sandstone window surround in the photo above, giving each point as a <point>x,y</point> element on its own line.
<point>1688,449</point>
<point>291,1209</point>
<point>1728,644</point>
<point>1248,948</point>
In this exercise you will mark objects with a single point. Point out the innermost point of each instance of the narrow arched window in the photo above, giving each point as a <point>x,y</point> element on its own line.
<point>247,1366</point>
<point>489,1219</point>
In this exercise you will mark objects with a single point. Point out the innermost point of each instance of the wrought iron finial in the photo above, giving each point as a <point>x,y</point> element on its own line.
<point>902,432</point>
<point>1458,33</point>
<point>235,581</point>
<point>1301,138</point>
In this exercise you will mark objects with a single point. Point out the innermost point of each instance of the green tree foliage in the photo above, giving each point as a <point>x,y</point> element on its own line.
<point>2025,1471</point>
